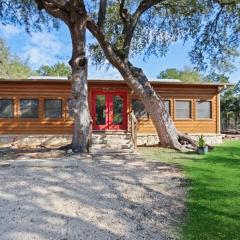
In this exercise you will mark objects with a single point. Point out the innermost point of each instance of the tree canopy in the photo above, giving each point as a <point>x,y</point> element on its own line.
<point>147,27</point>
<point>25,13</point>
<point>58,69</point>
<point>186,75</point>
<point>191,75</point>
<point>230,108</point>
<point>125,28</point>
<point>12,66</point>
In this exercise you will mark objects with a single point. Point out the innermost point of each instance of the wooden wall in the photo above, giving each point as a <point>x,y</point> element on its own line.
<point>192,93</point>
<point>24,90</point>
<point>62,89</point>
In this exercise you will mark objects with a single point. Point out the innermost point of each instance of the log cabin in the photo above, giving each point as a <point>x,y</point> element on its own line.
<point>41,107</point>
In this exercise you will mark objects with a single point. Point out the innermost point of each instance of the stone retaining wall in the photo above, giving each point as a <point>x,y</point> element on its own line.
<point>211,139</point>
<point>28,141</point>
<point>152,139</point>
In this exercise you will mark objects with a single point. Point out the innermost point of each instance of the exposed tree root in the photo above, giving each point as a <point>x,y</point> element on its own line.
<point>188,143</point>
<point>186,139</point>
<point>65,147</point>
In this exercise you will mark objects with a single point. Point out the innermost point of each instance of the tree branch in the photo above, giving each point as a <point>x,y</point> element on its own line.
<point>125,16</point>
<point>104,43</point>
<point>144,6</point>
<point>61,4</point>
<point>222,4</point>
<point>102,13</point>
<point>57,9</point>
<point>80,6</point>
<point>132,23</point>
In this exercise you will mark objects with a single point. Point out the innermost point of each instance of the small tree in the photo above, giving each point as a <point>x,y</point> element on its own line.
<point>58,69</point>
<point>186,75</point>
<point>10,65</point>
<point>230,108</point>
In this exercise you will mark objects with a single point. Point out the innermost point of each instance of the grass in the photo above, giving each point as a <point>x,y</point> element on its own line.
<point>213,199</point>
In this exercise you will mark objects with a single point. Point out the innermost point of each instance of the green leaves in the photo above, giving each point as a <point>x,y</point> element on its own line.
<point>230,108</point>
<point>25,13</point>
<point>186,75</point>
<point>58,69</point>
<point>10,65</point>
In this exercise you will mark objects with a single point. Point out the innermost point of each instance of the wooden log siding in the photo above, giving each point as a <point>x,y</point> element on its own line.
<point>192,93</point>
<point>61,89</point>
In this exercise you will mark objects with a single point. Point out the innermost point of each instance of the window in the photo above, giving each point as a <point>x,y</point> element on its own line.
<point>167,105</point>
<point>6,108</point>
<point>70,108</point>
<point>183,109</point>
<point>139,109</point>
<point>29,108</point>
<point>53,108</point>
<point>117,110</point>
<point>100,109</point>
<point>203,109</point>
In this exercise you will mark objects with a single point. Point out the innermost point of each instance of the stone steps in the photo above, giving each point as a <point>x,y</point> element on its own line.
<point>111,150</point>
<point>111,142</point>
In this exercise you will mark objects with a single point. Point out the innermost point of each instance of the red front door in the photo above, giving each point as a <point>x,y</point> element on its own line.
<point>109,110</point>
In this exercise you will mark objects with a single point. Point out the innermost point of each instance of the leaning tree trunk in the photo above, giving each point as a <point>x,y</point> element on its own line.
<point>138,82</point>
<point>167,133</point>
<point>82,118</point>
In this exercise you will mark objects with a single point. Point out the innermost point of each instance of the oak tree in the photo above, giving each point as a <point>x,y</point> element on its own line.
<point>72,13</point>
<point>125,28</point>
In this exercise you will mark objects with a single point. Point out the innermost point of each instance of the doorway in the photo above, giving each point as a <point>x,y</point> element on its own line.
<point>109,110</point>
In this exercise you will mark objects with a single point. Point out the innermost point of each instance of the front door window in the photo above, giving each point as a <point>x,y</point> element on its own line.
<point>100,109</point>
<point>117,110</point>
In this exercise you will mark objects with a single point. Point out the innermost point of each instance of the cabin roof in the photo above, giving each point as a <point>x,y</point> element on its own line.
<point>48,78</point>
<point>51,79</point>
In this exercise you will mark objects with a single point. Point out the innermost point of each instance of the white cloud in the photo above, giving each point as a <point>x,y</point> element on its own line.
<point>45,48</point>
<point>9,31</point>
<point>103,73</point>
<point>42,48</point>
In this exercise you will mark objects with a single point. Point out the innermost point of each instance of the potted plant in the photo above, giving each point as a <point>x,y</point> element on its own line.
<point>202,146</point>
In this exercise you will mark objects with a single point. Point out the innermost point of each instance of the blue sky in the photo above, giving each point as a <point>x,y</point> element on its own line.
<point>47,48</point>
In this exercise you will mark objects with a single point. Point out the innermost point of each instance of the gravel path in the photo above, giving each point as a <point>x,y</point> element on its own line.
<point>103,197</point>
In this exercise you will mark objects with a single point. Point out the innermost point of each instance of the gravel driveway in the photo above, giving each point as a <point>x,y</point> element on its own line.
<point>102,197</point>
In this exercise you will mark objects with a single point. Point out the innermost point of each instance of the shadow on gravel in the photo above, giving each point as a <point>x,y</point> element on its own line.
<point>107,197</point>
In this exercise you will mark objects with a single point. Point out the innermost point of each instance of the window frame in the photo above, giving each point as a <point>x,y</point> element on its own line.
<point>68,117</point>
<point>19,109</point>
<point>211,110</point>
<point>191,110</point>
<point>147,117</point>
<point>13,108</point>
<point>170,105</point>
<point>62,109</point>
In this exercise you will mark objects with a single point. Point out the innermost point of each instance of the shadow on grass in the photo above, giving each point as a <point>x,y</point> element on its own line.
<point>213,199</point>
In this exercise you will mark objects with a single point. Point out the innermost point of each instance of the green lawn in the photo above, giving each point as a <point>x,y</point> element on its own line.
<point>213,200</point>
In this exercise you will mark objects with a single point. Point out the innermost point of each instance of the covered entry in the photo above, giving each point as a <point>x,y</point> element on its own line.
<point>109,110</point>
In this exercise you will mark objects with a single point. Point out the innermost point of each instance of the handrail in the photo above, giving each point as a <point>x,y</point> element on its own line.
<point>134,129</point>
<point>90,135</point>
